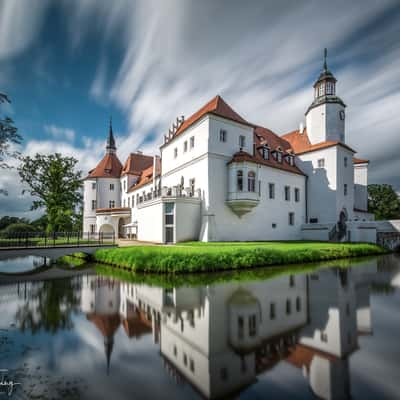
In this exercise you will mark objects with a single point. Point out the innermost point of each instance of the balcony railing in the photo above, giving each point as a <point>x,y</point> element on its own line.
<point>165,192</point>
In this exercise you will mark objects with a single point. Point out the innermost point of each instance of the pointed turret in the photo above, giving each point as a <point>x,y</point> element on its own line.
<point>111,148</point>
<point>325,115</point>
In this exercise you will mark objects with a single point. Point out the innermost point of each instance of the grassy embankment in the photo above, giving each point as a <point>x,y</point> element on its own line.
<point>215,257</point>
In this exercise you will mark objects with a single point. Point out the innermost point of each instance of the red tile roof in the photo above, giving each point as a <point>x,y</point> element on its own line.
<point>136,163</point>
<point>301,143</point>
<point>146,176</point>
<point>105,323</point>
<point>263,136</point>
<point>108,167</point>
<point>216,106</point>
<point>360,161</point>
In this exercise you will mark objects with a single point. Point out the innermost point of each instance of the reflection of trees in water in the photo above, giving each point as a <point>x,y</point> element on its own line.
<point>50,308</point>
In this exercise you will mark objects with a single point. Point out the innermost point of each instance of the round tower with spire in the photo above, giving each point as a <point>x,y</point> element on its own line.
<point>101,189</point>
<point>325,117</point>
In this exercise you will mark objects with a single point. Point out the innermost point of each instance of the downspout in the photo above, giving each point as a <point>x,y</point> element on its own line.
<point>306,199</point>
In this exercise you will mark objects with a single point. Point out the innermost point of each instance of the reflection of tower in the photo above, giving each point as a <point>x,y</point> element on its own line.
<point>331,335</point>
<point>101,302</point>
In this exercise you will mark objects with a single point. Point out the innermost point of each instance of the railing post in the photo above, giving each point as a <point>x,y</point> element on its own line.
<point>78,239</point>
<point>54,239</point>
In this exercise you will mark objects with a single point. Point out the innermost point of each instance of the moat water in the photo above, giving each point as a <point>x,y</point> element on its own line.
<point>331,332</point>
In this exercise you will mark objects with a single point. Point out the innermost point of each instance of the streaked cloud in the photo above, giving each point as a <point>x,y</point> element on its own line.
<point>60,133</point>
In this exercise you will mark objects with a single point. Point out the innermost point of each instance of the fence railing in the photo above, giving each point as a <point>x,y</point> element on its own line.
<point>54,239</point>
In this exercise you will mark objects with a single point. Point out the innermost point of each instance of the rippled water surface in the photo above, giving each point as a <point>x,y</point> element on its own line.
<point>330,333</point>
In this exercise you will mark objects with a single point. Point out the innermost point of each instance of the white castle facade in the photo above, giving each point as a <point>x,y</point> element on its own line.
<point>221,178</point>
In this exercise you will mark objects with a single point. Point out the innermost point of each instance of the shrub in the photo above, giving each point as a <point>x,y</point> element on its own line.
<point>15,229</point>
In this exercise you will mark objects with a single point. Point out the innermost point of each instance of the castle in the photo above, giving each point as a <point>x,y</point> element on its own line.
<point>220,177</point>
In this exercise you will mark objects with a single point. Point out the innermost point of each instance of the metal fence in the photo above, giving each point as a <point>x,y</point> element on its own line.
<point>53,239</point>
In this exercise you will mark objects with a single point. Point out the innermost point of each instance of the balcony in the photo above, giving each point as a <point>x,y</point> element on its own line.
<point>242,202</point>
<point>114,212</point>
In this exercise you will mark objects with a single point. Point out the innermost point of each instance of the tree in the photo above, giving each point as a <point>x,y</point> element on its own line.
<point>8,136</point>
<point>55,184</point>
<point>15,229</point>
<point>383,201</point>
<point>6,221</point>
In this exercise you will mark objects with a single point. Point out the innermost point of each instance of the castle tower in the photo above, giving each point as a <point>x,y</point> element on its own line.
<point>325,116</point>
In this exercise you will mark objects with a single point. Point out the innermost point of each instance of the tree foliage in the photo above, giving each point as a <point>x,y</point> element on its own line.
<point>7,220</point>
<point>8,136</point>
<point>55,185</point>
<point>18,228</point>
<point>383,201</point>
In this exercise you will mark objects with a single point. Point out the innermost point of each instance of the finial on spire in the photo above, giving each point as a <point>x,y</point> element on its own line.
<point>325,56</point>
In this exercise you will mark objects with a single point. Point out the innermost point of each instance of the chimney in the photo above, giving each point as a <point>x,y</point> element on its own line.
<point>301,128</point>
<point>155,158</point>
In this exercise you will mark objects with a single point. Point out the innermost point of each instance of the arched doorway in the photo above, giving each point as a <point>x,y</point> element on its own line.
<point>107,231</point>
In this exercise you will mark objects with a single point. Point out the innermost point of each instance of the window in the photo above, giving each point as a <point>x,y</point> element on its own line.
<point>92,228</point>
<point>222,135</point>
<point>272,311</point>
<point>321,163</point>
<point>111,204</point>
<point>239,179</point>
<point>291,281</point>
<point>182,182</point>
<point>242,141</point>
<point>329,88</point>
<point>265,153</point>
<point>279,156</point>
<point>175,351</point>
<point>192,186</point>
<point>288,307</point>
<point>252,325</point>
<point>271,190</point>
<point>324,337</point>
<point>192,142</point>
<point>345,189</point>
<point>169,213</point>
<point>185,359</point>
<point>273,225</point>
<point>185,146</point>
<point>296,195</point>
<point>129,201</point>
<point>111,186</point>
<point>94,204</point>
<point>240,328</point>
<point>291,218</point>
<point>175,152</point>
<point>251,181</point>
<point>287,193</point>
<point>93,186</point>
<point>345,162</point>
<point>191,363</point>
<point>290,159</point>
<point>322,89</point>
<point>298,304</point>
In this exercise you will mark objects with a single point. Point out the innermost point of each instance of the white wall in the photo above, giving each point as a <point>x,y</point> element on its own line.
<point>323,123</point>
<point>187,219</point>
<point>150,218</point>
<point>361,186</point>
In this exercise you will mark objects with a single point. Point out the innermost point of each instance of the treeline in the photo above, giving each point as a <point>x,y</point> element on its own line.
<point>10,226</point>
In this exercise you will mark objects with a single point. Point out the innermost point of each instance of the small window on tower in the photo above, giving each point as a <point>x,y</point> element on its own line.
<point>111,186</point>
<point>242,141</point>
<point>321,163</point>
<point>345,162</point>
<point>222,135</point>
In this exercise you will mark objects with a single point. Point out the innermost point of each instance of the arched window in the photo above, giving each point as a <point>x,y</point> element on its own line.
<point>251,181</point>
<point>239,176</point>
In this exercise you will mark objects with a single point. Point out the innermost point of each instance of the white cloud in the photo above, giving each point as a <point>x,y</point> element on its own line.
<point>60,133</point>
<point>20,22</point>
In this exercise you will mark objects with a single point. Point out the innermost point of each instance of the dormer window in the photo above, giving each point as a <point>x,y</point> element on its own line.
<point>279,156</point>
<point>265,152</point>
<point>290,159</point>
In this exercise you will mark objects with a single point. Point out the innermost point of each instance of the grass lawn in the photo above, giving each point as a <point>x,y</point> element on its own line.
<point>212,257</point>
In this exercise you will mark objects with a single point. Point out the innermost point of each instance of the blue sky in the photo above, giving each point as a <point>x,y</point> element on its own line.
<point>68,65</point>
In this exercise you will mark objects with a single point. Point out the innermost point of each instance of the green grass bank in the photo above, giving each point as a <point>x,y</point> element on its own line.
<point>196,257</point>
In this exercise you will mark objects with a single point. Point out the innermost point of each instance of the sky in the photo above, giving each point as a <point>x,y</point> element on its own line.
<point>69,65</point>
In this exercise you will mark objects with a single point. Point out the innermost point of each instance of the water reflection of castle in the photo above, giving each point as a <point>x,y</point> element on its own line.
<point>219,338</point>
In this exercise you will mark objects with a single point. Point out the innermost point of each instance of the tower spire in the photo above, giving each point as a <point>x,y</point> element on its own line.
<point>111,148</point>
<point>325,56</point>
